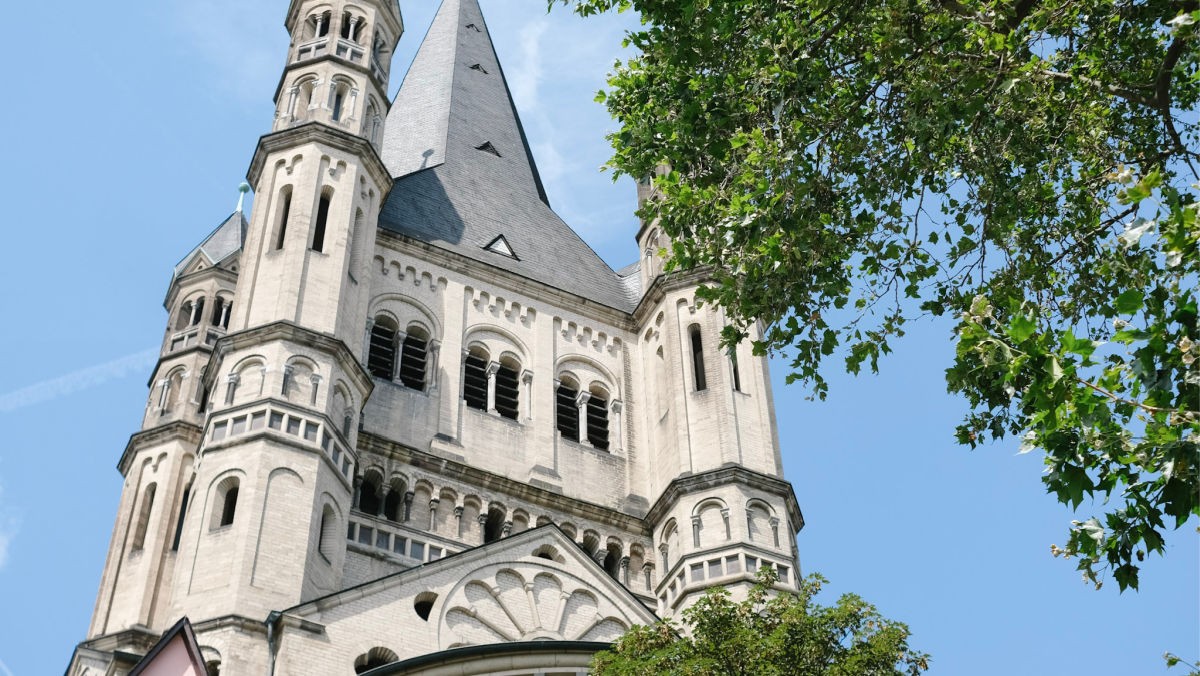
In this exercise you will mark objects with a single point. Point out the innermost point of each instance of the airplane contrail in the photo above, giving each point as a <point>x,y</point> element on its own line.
<point>82,379</point>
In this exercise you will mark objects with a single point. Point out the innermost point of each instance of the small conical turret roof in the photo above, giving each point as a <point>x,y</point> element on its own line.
<point>226,240</point>
<point>465,176</point>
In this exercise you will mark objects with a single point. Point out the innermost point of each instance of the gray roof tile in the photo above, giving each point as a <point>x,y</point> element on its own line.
<point>452,194</point>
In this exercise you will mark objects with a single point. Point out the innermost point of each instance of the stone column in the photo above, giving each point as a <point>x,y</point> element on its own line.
<point>696,531</point>
<point>616,434</point>
<point>725,518</point>
<point>491,370</point>
<point>458,512</point>
<point>527,393</point>
<point>408,500</point>
<point>433,507</point>
<point>775,529</point>
<point>581,402</point>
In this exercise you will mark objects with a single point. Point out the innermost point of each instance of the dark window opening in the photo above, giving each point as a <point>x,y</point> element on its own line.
<point>328,534</point>
<point>375,657</point>
<point>183,505</point>
<point>229,506</point>
<point>597,422</point>
<point>381,360</point>
<point>368,496</point>
<point>392,504</point>
<point>338,99</point>
<point>566,411</point>
<point>698,358</point>
<point>423,604</point>
<point>143,519</point>
<point>475,382</point>
<point>212,668</point>
<point>737,376</point>
<point>612,561</point>
<point>318,241</point>
<point>487,147</point>
<point>284,212</point>
<point>478,67</point>
<point>507,391</point>
<point>413,355</point>
<point>494,526</point>
<point>198,312</point>
<point>218,310</point>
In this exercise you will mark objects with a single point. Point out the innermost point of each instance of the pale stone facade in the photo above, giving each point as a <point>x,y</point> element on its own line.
<point>403,413</point>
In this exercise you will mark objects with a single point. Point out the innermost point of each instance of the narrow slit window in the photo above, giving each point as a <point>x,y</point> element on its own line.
<point>698,358</point>
<point>143,519</point>
<point>318,241</point>
<point>229,505</point>
<point>183,505</point>
<point>733,364</point>
<point>284,213</point>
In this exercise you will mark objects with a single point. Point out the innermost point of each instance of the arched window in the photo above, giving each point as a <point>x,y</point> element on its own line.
<point>597,418</point>
<point>143,519</point>
<point>612,560</point>
<point>184,318</point>
<point>475,386</point>
<point>221,308</point>
<point>284,213</point>
<point>339,99</point>
<point>304,100</point>
<point>508,388</point>
<point>381,360</point>
<point>413,357</point>
<point>318,237</point>
<point>493,527</point>
<point>352,27</point>
<point>225,504</point>
<point>328,534</point>
<point>368,494</point>
<point>565,408</point>
<point>393,503</point>
<point>317,26</point>
<point>697,357</point>
<point>375,657</point>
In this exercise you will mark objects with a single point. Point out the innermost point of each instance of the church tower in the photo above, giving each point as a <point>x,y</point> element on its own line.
<point>403,410</point>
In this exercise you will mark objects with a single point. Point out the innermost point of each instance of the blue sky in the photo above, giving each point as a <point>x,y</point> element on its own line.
<point>128,129</point>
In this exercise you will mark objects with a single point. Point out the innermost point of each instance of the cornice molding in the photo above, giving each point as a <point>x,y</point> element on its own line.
<point>316,132</point>
<point>722,476</point>
<point>177,430</point>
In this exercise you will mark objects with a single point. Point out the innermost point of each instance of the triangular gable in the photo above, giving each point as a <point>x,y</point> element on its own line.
<point>175,654</point>
<point>501,246</point>
<point>537,585</point>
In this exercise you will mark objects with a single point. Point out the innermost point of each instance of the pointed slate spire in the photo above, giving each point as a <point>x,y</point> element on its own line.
<point>454,98</point>
<point>465,177</point>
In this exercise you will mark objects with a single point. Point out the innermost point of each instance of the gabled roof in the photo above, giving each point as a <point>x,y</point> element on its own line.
<point>175,654</point>
<point>464,171</point>
<point>557,555</point>
<point>220,244</point>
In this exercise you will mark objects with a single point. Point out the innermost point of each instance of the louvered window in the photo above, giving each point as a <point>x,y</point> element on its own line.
<point>507,391</point>
<point>597,421</point>
<point>475,382</point>
<point>567,412</point>
<point>413,355</point>
<point>381,360</point>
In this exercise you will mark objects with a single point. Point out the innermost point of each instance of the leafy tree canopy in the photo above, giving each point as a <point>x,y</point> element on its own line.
<point>1025,168</point>
<point>770,633</point>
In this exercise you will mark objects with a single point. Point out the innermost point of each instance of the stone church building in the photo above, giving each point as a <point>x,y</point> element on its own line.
<point>405,420</point>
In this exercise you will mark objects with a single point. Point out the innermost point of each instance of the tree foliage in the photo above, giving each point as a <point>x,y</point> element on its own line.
<point>770,633</point>
<point>1025,168</point>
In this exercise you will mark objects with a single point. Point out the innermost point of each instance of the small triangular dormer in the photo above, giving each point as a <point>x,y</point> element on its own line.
<point>487,147</point>
<point>500,245</point>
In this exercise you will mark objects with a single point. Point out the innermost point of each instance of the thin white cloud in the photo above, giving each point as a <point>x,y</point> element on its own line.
<point>79,380</point>
<point>242,42</point>
<point>527,75</point>
<point>8,531</point>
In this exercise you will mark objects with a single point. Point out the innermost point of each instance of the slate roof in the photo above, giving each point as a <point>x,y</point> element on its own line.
<point>226,240</point>
<point>455,192</point>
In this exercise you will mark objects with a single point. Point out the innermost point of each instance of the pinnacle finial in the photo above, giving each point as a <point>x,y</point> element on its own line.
<point>243,188</point>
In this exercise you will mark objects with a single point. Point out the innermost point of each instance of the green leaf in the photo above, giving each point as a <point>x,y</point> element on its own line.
<point>1021,328</point>
<point>1129,302</point>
